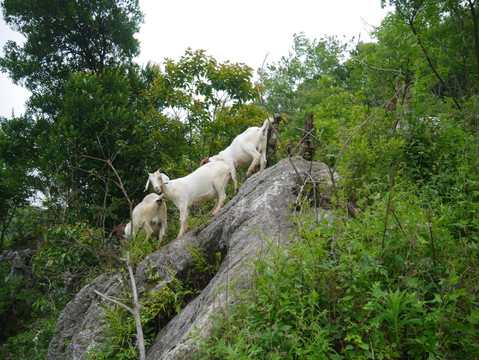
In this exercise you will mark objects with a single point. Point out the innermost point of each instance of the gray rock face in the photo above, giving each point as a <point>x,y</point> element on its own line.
<point>241,230</point>
<point>20,266</point>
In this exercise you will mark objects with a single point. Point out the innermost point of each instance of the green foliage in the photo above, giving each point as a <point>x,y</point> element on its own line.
<point>207,99</point>
<point>293,77</point>
<point>334,294</point>
<point>398,281</point>
<point>120,330</point>
<point>31,344</point>
<point>16,163</point>
<point>168,300</point>
<point>157,307</point>
<point>446,34</point>
<point>26,227</point>
<point>137,247</point>
<point>16,298</point>
<point>105,352</point>
<point>70,36</point>
<point>66,249</point>
<point>99,104</point>
<point>202,264</point>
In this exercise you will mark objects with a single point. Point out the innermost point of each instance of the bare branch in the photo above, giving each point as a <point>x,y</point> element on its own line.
<point>135,311</point>
<point>120,184</point>
<point>116,302</point>
<point>378,69</point>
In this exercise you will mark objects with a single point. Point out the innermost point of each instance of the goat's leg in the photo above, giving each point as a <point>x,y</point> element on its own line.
<point>254,163</point>
<point>149,232</point>
<point>220,190</point>
<point>161,236</point>
<point>251,152</point>
<point>262,161</point>
<point>232,167</point>
<point>219,204</point>
<point>183,221</point>
<point>235,180</point>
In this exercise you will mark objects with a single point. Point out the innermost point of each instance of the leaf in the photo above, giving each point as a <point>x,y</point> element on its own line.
<point>474,317</point>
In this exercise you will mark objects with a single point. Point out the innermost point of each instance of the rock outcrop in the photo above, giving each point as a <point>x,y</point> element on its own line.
<point>20,265</point>
<point>245,226</point>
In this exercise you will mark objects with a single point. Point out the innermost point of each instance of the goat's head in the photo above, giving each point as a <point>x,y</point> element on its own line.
<point>158,180</point>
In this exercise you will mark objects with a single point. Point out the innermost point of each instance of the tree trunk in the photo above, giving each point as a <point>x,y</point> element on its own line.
<point>272,142</point>
<point>308,150</point>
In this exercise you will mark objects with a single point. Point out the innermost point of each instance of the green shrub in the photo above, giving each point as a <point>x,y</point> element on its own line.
<point>31,344</point>
<point>342,292</point>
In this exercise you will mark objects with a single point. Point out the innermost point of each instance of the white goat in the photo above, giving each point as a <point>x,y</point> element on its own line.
<point>205,183</point>
<point>248,148</point>
<point>149,215</point>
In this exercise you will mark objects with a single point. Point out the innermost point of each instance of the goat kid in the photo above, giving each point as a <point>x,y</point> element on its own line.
<point>204,184</point>
<point>150,216</point>
<point>248,148</point>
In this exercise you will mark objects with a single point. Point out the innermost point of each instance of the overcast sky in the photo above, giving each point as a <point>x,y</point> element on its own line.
<point>241,31</point>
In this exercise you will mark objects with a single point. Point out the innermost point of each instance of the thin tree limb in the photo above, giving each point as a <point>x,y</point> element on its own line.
<point>136,309</point>
<point>410,21</point>
<point>346,143</point>
<point>120,184</point>
<point>116,302</point>
<point>378,69</point>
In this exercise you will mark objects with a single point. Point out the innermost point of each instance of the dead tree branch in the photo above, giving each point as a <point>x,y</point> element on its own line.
<point>136,308</point>
<point>378,69</point>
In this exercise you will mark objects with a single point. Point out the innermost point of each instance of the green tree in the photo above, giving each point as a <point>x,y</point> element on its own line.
<point>98,121</point>
<point>139,120</point>
<point>207,98</point>
<point>291,82</point>
<point>69,46</point>
<point>447,34</point>
<point>17,182</point>
<point>64,37</point>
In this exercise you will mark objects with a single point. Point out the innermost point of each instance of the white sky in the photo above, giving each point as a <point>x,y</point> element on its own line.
<point>241,31</point>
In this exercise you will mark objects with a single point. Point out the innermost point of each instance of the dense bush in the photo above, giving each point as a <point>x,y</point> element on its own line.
<point>336,292</point>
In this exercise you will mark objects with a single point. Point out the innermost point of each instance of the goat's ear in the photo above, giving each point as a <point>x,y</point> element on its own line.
<point>147,183</point>
<point>164,179</point>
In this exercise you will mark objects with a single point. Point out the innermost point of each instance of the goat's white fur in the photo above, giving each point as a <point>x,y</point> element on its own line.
<point>149,215</point>
<point>205,183</point>
<point>248,148</point>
